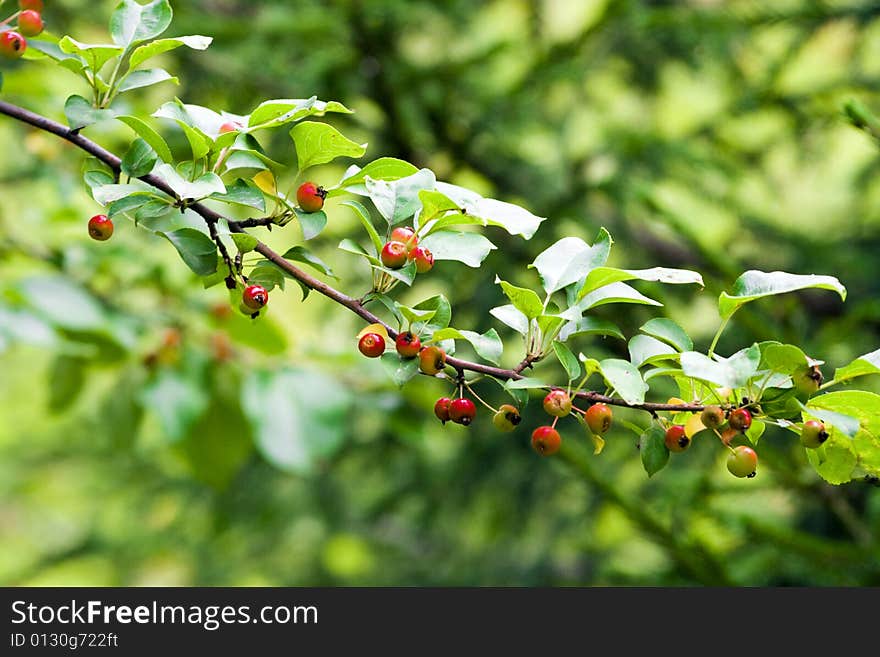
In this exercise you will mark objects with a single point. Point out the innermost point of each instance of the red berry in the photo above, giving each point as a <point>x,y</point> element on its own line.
<point>740,419</point>
<point>408,344</point>
<point>598,417</point>
<point>406,235</point>
<point>546,440</point>
<point>393,255</point>
<point>432,360</point>
<point>36,5</point>
<point>813,434</point>
<point>423,258</point>
<point>462,411</point>
<point>372,345</point>
<point>557,403</point>
<point>676,439</point>
<point>310,197</point>
<point>255,297</point>
<point>441,409</point>
<point>30,23</point>
<point>742,462</point>
<point>12,44</point>
<point>100,227</point>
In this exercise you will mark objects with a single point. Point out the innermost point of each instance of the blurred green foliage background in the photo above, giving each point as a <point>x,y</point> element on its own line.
<point>704,134</point>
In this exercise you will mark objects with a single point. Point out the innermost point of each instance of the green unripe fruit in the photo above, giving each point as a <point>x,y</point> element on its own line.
<point>807,380</point>
<point>546,440</point>
<point>813,434</point>
<point>742,462</point>
<point>598,417</point>
<point>712,417</point>
<point>507,418</point>
<point>557,403</point>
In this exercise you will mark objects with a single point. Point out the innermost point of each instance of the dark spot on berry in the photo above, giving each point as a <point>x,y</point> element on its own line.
<point>752,475</point>
<point>683,441</point>
<point>823,436</point>
<point>513,418</point>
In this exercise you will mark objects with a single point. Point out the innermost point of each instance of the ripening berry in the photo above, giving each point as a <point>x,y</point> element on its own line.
<point>12,44</point>
<point>408,344</point>
<point>393,255</point>
<point>546,440</point>
<point>557,403</point>
<point>255,297</point>
<point>36,5</point>
<point>441,409</point>
<point>432,360</point>
<point>813,434</point>
<point>371,345</point>
<point>807,380</point>
<point>742,462</point>
<point>405,235</point>
<point>676,439</point>
<point>598,417</point>
<point>507,418</point>
<point>100,227</point>
<point>740,419</point>
<point>310,197</point>
<point>462,411</point>
<point>423,258</point>
<point>229,126</point>
<point>712,417</point>
<point>30,23</point>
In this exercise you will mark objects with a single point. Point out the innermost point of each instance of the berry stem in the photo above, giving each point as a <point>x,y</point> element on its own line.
<point>480,399</point>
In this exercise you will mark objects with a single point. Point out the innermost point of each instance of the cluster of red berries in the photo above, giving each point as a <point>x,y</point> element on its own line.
<point>29,22</point>
<point>402,246</point>
<point>546,439</point>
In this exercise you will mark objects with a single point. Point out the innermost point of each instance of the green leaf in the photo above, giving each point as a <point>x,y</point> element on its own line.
<point>202,187</point>
<point>469,248</point>
<point>302,254</point>
<point>63,303</point>
<point>652,448</point>
<point>568,359</point>
<point>758,284</point>
<point>590,326</point>
<point>852,409</point>
<point>520,397</point>
<point>861,366</point>
<point>669,332</point>
<point>95,54</point>
<point>433,204</point>
<point>139,160</point>
<point>267,274</point>
<point>105,194</point>
<point>176,401</point>
<point>512,218</point>
<point>319,143</point>
<point>625,379</point>
<point>512,317</point>
<point>243,242</point>
<point>835,460</point>
<point>385,168</point>
<point>733,372</point>
<point>196,122</point>
<point>195,248</point>
<point>132,22</point>
<point>525,383</point>
<point>273,113</point>
<point>145,78</point>
<point>399,369</point>
<point>73,63</point>
<point>364,215</point>
<point>412,315</point>
<point>782,358</point>
<point>312,223</point>
<point>406,274</point>
<point>487,345</point>
<point>243,193</point>
<point>263,335</point>
<point>149,135</point>
<point>614,293</point>
<point>524,300</point>
<point>398,200</point>
<point>157,47</point>
<point>755,431</point>
<point>126,204</point>
<point>353,247</point>
<point>299,417</point>
<point>80,113</point>
<point>565,262</point>
<point>602,276</point>
<point>643,349</point>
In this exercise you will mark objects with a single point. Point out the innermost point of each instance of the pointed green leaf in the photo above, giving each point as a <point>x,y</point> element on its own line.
<point>733,372</point>
<point>195,248</point>
<point>319,143</point>
<point>758,284</point>
<point>861,366</point>
<point>524,300</point>
<point>590,326</point>
<point>145,78</point>
<point>80,113</point>
<point>602,276</point>
<point>564,262</point>
<point>652,448</point>
<point>406,274</point>
<point>398,200</point>
<point>312,223</point>
<point>96,54</point>
<point>133,22</point>
<point>488,345</point>
<point>273,113</point>
<point>399,369</point>
<point>353,247</point>
<point>625,379</point>
<point>243,242</point>
<point>157,47</point>
<point>441,307</point>
<point>205,185</point>
<point>512,218</point>
<point>525,383</point>
<point>568,359</point>
<point>469,248</point>
<point>149,135</point>
<point>645,349</point>
<point>512,317</point>
<point>244,193</point>
<point>614,293</point>
<point>364,215</point>
<point>669,332</point>
<point>139,160</point>
<point>302,254</point>
<point>385,168</point>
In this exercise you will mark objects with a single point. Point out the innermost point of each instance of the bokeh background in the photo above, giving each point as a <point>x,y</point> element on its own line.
<point>703,134</point>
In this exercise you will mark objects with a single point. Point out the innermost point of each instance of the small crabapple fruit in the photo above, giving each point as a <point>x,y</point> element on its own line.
<point>742,462</point>
<point>100,227</point>
<point>462,411</point>
<point>310,197</point>
<point>740,419</point>
<point>557,403</point>
<point>598,417</point>
<point>12,44</point>
<point>676,438</point>
<point>255,297</point>
<point>423,258</point>
<point>546,440</point>
<point>406,235</point>
<point>30,23</point>
<point>371,345</point>
<point>393,255</point>
<point>441,409</point>
<point>432,360</point>
<point>712,417</point>
<point>813,434</point>
<point>506,418</point>
<point>407,344</point>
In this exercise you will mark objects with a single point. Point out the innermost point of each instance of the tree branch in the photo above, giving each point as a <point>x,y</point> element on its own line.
<point>212,218</point>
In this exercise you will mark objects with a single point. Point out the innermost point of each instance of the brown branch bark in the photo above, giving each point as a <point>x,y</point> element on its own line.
<point>212,218</point>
